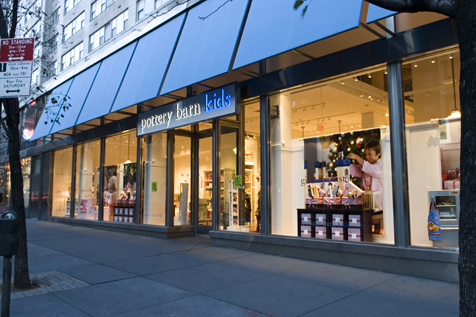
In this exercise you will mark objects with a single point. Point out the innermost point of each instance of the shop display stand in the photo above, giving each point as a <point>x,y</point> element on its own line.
<point>335,223</point>
<point>124,212</point>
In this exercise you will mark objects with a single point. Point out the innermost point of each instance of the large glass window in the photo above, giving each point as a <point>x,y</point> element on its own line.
<point>154,177</point>
<point>252,177</point>
<point>61,193</point>
<point>87,180</point>
<point>182,176</point>
<point>330,160</point>
<point>433,135</point>
<point>120,168</point>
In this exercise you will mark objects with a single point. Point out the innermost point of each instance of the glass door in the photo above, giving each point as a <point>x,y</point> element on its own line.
<point>182,180</point>
<point>230,215</point>
<point>205,182</point>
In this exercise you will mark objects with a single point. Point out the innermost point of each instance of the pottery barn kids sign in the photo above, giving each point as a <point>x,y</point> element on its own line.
<point>205,106</point>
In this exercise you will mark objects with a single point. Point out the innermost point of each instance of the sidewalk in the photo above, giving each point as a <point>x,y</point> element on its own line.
<point>89,272</point>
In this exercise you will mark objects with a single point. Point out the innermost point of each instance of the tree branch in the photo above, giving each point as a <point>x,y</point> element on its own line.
<point>446,7</point>
<point>14,19</point>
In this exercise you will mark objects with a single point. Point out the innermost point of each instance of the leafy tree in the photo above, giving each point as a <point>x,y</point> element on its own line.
<point>464,13</point>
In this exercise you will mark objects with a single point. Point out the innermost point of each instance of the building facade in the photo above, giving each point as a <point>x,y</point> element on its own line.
<point>332,136</point>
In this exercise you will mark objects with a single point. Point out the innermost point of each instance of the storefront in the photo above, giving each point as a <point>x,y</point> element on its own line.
<point>334,159</point>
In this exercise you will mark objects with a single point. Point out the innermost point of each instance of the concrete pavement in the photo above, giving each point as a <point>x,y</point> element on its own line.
<point>90,272</point>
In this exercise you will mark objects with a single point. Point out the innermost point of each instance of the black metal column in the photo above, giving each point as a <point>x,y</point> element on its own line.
<point>399,154</point>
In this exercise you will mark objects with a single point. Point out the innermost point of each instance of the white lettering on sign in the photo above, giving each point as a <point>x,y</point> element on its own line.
<point>156,120</point>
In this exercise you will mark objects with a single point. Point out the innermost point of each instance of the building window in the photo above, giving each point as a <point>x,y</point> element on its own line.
<point>69,4</point>
<point>36,52</point>
<point>72,56</point>
<point>35,78</point>
<point>55,17</point>
<point>433,142</point>
<point>73,27</point>
<point>140,9</point>
<point>87,180</point>
<point>120,170</point>
<point>330,146</point>
<point>54,68</point>
<point>97,7</point>
<point>109,30</point>
<point>61,193</point>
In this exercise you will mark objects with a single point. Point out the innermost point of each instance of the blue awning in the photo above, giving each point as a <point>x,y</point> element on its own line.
<point>107,82</point>
<point>75,99</point>
<point>376,13</point>
<point>52,107</point>
<point>148,65</point>
<point>275,28</point>
<point>207,43</point>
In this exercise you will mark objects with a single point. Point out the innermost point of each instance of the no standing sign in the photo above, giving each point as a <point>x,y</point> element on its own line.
<point>16,58</point>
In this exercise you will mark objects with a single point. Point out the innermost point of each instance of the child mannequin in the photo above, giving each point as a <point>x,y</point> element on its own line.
<point>370,169</point>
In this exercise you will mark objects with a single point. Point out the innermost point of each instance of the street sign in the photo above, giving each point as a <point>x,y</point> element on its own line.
<point>16,61</point>
<point>17,50</point>
<point>15,69</point>
<point>14,87</point>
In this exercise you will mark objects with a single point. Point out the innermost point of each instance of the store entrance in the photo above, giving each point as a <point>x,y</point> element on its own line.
<point>205,188</point>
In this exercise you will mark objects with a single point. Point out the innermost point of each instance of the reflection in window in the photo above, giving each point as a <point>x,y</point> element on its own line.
<point>330,160</point>
<point>87,180</point>
<point>433,130</point>
<point>61,193</point>
<point>154,165</point>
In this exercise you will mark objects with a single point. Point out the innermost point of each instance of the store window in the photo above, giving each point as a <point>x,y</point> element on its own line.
<point>120,169</point>
<point>61,193</point>
<point>182,176</point>
<point>87,180</point>
<point>330,160</point>
<point>252,177</point>
<point>154,178</point>
<point>433,135</point>
<point>25,171</point>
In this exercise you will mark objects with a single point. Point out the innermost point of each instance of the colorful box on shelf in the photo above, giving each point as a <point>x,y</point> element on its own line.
<point>337,233</point>
<point>353,234</point>
<point>338,220</point>
<point>354,221</point>
<point>306,231</point>
<point>306,219</point>
<point>320,219</point>
<point>321,232</point>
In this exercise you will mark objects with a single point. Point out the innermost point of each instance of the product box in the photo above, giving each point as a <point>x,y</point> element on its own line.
<point>131,211</point>
<point>306,231</point>
<point>354,220</point>
<point>321,219</point>
<point>338,220</point>
<point>311,200</point>
<point>306,219</point>
<point>321,232</point>
<point>457,184</point>
<point>449,184</point>
<point>337,233</point>
<point>353,234</point>
<point>351,201</point>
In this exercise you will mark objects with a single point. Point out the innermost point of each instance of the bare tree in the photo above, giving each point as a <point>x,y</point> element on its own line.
<point>464,13</point>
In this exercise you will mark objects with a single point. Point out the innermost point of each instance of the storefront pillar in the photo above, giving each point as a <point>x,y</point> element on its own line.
<point>73,184</point>
<point>101,180</point>
<point>169,205</point>
<point>265,165</point>
<point>137,215</point>
<point>216,173</point>
<point>399,157</point>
